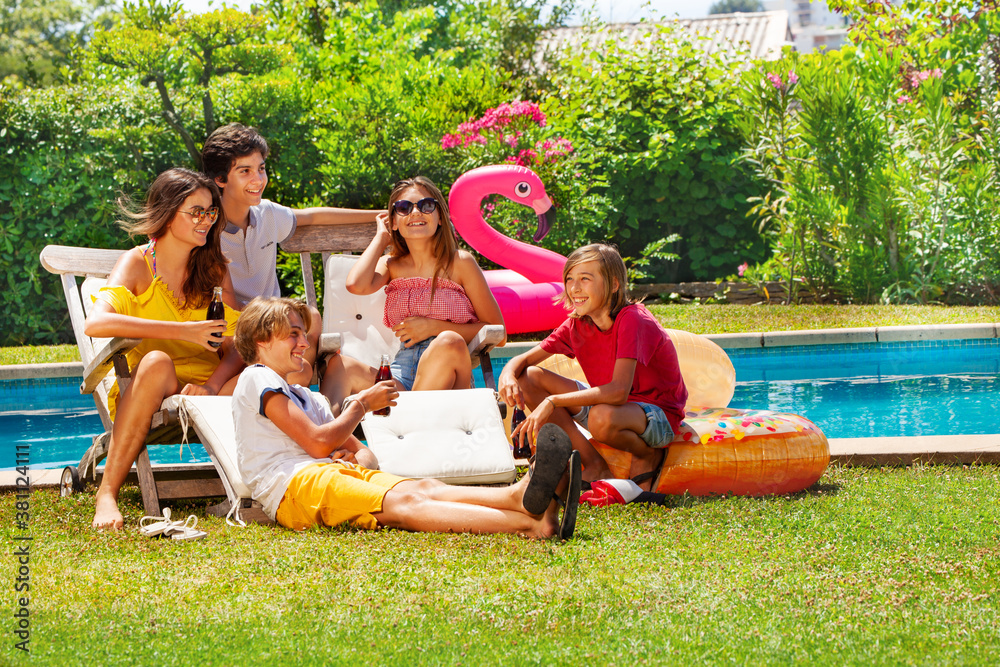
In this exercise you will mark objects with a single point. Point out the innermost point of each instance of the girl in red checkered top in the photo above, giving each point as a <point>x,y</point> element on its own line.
<point>437,298</point>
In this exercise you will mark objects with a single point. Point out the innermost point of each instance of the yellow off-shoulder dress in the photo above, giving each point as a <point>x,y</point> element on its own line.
<point>194,363</point>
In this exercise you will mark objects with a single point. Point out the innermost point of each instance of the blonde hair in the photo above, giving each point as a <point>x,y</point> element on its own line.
<point>612,271</point>
<point>264,319</point>
<point>445,245</point>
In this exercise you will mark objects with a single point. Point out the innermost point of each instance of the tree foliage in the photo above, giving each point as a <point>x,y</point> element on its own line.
<point>38,37</point>
<point>181,54</point>
<point>655,130</point>
<point>735,6</point>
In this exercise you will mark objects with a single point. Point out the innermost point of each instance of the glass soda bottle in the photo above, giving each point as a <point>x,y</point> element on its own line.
<point>216,311</point>
<point>384,373</point>
<point>522,448</point>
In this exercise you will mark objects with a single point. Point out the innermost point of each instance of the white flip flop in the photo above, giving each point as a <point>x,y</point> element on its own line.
<point>153,526</point>
<point>186,530</point>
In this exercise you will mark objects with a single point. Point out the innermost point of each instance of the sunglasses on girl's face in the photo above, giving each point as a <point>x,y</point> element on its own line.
<point>201,214</point>
<point>427,205</point>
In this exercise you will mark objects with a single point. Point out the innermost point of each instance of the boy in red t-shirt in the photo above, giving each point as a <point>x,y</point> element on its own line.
<point>635,401</point>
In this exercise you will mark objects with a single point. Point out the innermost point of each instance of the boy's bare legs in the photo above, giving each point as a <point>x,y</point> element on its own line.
<point>619,426</point>
<point>305,376</point>
<point>537,383</point>
<point>504,498</point>
<point>430,506</point>
<point>154,379</point>
<point>445,364</point>
<point>345,376</point>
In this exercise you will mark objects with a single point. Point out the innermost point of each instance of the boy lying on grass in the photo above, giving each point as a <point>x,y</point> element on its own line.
<point>306,468</point>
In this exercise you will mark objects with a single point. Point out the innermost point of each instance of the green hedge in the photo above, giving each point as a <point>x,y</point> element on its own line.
<point>65,155</point>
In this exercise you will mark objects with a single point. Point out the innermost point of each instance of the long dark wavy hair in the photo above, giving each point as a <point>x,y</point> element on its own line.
<point>206,266</point>
<point>445,245</point>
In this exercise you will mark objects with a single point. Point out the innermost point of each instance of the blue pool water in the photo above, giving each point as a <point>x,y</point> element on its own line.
<point>58,423</point>
<point>850,391</point>
<point>877,389</point>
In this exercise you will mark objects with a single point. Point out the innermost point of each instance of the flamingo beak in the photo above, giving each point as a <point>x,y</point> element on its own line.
<point>545,220</point>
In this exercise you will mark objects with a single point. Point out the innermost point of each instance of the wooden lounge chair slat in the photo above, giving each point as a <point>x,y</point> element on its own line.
<point>330,238</point>
<point>103,360</point>
<point>96,262</point>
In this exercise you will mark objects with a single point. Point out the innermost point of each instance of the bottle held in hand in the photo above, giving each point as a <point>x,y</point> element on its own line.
<point>522,448</point>
<point>216,311</point>
<point>384,373</point>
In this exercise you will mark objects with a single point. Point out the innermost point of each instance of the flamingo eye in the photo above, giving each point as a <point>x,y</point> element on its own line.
<point>522,189</point>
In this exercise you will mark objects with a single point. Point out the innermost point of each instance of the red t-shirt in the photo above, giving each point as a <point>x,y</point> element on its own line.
<point>637,335</point>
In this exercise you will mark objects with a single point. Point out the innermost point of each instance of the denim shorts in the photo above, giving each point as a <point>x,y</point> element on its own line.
<point>658,433</point>
<point>404,366</point>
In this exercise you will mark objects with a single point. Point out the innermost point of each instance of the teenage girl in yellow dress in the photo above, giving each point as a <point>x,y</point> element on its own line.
<point>159,292</point>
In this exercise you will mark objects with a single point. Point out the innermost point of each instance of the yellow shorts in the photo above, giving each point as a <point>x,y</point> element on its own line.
<point>329,494</point>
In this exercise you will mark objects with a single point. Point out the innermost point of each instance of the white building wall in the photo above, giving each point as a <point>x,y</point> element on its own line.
<point>813,24</point>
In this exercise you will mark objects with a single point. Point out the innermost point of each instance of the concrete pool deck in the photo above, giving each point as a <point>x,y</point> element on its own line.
<point>894,451</point>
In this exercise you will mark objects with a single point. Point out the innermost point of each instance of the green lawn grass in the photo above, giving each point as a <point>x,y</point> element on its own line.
<point>715,319</point>
<point>38,354</point>
<point>884,567</point>
<point>700,319</point>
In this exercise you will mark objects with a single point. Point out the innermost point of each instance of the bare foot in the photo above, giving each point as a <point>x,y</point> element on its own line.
<point>595,473</point>
<point>546,525</point>
<point>106,514</point>
<point>646,464</point>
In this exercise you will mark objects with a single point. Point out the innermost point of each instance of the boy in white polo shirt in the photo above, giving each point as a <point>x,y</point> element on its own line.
<point>234,157</point>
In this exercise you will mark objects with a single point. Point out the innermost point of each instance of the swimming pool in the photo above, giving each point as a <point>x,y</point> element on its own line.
<point>58,423</point>
<point>850,391</point>
<point>913,388</point>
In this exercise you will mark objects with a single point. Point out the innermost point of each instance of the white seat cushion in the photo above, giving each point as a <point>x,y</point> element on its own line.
<point>455,436</point>
<point>212,418</point>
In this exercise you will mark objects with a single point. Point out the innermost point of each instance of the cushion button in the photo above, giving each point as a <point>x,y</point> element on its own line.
<point>468,433</point>
<point>358,316</point>
<point>400,437</point>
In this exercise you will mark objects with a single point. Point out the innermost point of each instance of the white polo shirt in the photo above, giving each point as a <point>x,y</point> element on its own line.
<point>266,457</point>
<point>253,254</point>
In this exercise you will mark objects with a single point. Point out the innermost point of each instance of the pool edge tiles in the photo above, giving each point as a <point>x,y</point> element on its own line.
<point>846,336</point>
<point>906,450</point>
<point>30,371</point>
<point>883,349</point>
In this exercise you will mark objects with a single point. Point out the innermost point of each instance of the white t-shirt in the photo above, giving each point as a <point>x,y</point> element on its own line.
<point>267,458</point>
<point>253,253</point>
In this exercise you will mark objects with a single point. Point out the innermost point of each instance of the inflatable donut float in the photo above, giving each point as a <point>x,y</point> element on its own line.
<point>718,449</point>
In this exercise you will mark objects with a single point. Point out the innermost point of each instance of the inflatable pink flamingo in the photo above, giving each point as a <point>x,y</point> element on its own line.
<point>525,294</point>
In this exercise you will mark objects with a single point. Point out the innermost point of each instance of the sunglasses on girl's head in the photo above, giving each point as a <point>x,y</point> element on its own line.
<point>427,205</point>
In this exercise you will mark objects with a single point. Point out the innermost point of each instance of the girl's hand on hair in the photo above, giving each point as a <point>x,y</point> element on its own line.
<point>382,233</point>
<point>413,330</point>
<point>381,395</point>
<point>200,332</point>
